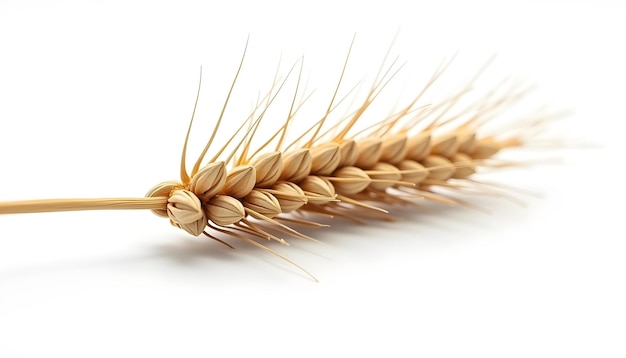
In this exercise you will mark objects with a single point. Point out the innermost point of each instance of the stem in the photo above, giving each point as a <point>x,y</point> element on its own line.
<point>55,205</point>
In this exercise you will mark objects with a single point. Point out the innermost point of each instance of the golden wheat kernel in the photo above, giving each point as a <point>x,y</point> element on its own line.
<point>445,145</point>
<point>263,203</point>
<point>440,167</point>
<point>467,141</point>
<point>318,190</point>
<point>195,228</point>
<point>360,180</point>
<point>268,168</point>
<point>419,146</point>
<point>163,190</point>
<point>485,148</point>
<point>414,172</point>
<point>325,157</point>
<point>465,166</point>
<point>348,152</point>
<point>184,207</point>
<point>240,181</point>
<point>208,181</point>
<point>290,196</point>
<point>225,210</point>
<point>387,172</point>
<point>370,149</point>
<point>394,148</point>
<point>296,165</point>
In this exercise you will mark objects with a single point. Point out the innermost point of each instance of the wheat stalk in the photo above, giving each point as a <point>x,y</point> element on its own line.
<point>247,192</point>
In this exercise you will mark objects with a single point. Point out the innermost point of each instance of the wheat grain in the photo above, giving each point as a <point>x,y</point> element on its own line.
<point>329,173</point>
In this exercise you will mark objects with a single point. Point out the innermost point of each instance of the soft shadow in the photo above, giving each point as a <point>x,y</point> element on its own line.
<point>343,235</point>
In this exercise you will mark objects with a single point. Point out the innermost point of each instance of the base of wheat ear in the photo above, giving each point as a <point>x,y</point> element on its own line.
<point>260,193</point>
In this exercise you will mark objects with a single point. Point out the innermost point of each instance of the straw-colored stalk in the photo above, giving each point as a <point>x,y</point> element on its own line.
<point>331,172</point>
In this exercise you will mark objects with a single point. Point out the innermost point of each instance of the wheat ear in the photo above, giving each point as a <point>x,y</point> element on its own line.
<point>246,193</point>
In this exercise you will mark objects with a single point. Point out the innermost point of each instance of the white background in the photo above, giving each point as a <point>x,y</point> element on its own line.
<point>95,99</point>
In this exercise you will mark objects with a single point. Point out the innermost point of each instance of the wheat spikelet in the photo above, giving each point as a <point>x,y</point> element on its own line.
<point>247,192</point>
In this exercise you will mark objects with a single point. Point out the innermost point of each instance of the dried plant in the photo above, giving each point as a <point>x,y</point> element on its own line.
<point>263,192</point>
